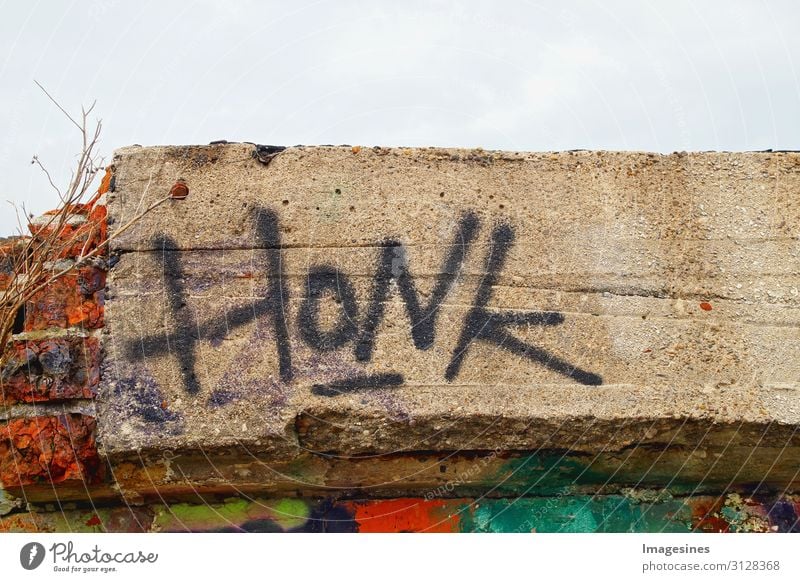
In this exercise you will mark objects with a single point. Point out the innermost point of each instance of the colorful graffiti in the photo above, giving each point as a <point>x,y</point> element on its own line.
<point>567,513</point>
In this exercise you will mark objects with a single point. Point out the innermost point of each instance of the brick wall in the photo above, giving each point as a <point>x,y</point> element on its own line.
<point>53,364</point>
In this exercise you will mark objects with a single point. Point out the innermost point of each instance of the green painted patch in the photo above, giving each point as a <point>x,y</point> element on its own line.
<point>233,515</point>
<point>289,513</point>
<point>185,516</point>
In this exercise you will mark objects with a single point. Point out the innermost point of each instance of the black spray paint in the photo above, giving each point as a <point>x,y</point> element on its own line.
<point>480,324</point>
<point>321,280</point>
<point>357,384</point>
<point>268,236</point>
<point>393,265</point>
<point>182,341</point>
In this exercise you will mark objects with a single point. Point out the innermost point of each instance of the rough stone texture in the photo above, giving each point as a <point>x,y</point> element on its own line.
<point>606,300</point>
<point>9,249</point>
<point>676,470</point>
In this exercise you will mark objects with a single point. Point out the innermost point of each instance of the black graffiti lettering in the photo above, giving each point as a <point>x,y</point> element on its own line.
<point>187,333</point>
<point>481,324</point>
<point>393,265</point>
<point>181,341</point>
<point>155,345</point>
<point>321,280</point>
<point>358,383</point>
<point>277,303</point>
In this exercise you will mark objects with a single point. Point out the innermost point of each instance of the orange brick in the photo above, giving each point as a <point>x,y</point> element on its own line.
<point>49,449</point>
<point>74,300</point>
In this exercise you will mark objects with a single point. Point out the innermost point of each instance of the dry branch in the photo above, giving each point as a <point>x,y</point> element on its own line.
<point>35,262</point>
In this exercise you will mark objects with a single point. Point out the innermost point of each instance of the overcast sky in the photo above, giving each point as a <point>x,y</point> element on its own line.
<point>660,76</point>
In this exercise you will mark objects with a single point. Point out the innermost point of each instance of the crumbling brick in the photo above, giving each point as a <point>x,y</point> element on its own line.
<point>51,370</point>
<point>74,299</point>
<point>49,449</point>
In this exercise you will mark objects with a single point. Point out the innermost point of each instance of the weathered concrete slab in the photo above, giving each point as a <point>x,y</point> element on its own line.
<point>350,301</point>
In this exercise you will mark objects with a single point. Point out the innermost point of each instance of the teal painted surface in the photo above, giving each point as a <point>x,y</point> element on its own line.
<point>575,514</point>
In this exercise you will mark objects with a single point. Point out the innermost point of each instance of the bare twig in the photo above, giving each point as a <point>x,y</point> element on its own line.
<point>36,161</point>
<point>64,111</point>
<point>35,262</point>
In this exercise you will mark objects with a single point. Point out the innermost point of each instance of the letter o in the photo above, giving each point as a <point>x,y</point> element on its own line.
<point>320,280</point>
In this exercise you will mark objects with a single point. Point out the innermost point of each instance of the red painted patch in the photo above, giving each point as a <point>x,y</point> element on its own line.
<point>94,520</point>
<point>705,306</point>
<point>98,216</point>
<point>404,515</point>
<point>80,239</point>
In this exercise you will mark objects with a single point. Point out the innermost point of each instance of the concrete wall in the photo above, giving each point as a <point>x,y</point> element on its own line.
<point>342,329</point>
